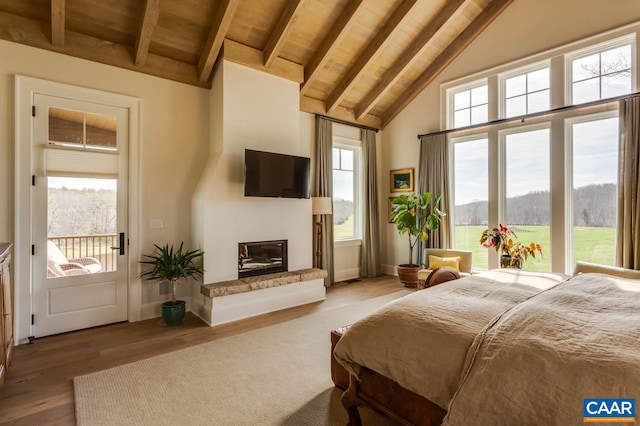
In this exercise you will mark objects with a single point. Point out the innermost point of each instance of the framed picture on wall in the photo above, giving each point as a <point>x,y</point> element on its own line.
<point>402,180</point>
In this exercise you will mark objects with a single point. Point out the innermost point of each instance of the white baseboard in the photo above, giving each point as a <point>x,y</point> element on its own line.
<point>199,309</point>
<point>346,274</point>
<point>390,269</point>
<point>235,307</point>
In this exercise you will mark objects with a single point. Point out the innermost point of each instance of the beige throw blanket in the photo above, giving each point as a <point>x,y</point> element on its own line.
<point>536,363</point>
<point>421,340</point>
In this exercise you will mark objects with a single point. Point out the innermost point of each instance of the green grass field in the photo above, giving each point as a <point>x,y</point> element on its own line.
<point>590,244</point>
<point>344,230</point>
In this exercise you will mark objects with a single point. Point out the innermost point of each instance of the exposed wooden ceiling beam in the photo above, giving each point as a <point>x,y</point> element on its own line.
<point>252,58</point>
<point>482,21</point>
<point>147,24</point>
<point>26,31</point>
<point>369,54</point>
<point>279,34</point>
<point>222,21</point>
<point>57,22</point>
<point>407,58</point>
<point>333,38</point>
<point>316,106</point>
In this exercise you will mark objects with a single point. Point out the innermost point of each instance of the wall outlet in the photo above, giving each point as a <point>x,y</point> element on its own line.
<point>164,288</point>
<point>156,224</point>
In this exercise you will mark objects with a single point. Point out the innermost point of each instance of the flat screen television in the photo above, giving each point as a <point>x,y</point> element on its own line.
<point>267,174</point>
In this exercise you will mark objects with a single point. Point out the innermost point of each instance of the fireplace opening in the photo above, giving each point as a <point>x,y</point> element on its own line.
<point>262,257</point>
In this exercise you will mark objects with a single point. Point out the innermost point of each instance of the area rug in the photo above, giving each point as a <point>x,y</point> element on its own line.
<point>277,375</point>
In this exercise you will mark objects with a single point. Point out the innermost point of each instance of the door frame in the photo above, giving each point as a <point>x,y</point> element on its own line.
<point>25,88</point>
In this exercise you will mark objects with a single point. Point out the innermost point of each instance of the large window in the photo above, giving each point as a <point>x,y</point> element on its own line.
<point>594,155</point>
<point>527,191</point>
<point>526,93</point>
<point>471,199</point>
<point>346,194</point>
<point>470,105</point>
<point>551,177</point>
<point>600,75</point>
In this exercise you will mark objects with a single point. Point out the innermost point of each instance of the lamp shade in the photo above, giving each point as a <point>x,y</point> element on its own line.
<point>321,205</point>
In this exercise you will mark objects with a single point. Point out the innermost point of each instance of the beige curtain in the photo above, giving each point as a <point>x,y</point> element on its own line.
<point>370,254</point>
<point>322,186</point>
<point>433,177</point>
<point>628,229</point>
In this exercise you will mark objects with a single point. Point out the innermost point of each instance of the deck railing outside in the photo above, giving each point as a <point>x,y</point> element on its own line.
<point>96,245</point>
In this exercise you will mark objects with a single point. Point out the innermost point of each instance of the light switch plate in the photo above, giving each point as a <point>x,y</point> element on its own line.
<point>156,224</point>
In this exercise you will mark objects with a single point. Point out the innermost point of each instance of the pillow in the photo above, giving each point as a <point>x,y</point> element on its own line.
<point>452,262</point>
<point>441,275</point>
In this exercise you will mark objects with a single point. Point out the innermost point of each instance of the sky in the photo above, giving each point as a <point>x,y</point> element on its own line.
<point>595,151</point>
<point>81,183</point>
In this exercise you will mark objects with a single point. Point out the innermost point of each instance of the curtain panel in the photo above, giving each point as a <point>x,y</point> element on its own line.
<point>322,186</point>
<point>433,177</point>
<point>628,228</point>
<point>370,253</point>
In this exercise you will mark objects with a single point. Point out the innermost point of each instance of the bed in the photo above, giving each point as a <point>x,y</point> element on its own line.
<point>495,344</point>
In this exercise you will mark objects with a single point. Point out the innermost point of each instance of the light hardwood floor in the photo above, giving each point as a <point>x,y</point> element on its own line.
<point>38,388</point>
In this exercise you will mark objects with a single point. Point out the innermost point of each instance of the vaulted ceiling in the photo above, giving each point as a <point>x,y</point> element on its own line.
<point>361,61</point>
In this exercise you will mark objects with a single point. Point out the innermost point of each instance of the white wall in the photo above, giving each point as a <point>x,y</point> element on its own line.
<point>525,28</point>
<point>258,111</point>
<point>174,132</point>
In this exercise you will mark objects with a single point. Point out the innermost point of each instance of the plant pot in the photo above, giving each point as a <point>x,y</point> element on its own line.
<point>513,263</point>
<point>408,275</point>
<point>173,314</point>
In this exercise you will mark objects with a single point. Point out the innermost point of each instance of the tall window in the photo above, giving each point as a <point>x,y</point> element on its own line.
<point>601,75</point>
<point>527,191</point>
<point>346,197</point>
<point>471,195</point>
<point>565,159</point>
<point>470,106</point>
<point>526,93</point>
<point>594,146</point>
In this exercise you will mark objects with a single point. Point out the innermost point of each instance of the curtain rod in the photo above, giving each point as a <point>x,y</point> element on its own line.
<point>532,115</point>
<point>347,123</point>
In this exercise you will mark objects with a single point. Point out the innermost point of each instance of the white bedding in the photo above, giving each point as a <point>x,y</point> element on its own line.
<point>421,340</point>
<point>536,363</point>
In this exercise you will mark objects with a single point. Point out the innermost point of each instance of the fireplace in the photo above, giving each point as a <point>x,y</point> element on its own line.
<point>262,257</point>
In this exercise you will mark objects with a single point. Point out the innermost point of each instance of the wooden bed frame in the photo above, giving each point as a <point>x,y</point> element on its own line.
<point>383,394</point>
<point>389,398</point>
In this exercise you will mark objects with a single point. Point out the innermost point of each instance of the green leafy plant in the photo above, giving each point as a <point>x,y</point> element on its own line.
<point>171,265</point>
<point>415,214</point>
<point>504,240</point>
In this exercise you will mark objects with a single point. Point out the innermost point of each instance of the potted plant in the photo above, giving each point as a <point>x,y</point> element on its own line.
<point>513,253</point>
<point>172,265</point>
<point>414,214</point>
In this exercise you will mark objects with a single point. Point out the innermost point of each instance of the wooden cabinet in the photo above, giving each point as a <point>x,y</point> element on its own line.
<point>6,308</point>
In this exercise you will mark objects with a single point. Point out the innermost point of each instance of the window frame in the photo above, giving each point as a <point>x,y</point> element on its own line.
<point>502,85</point>
<point>569,58</point>
<point>451,92</point>
<point>451,143</point>
<point>355,146</point>
<point>568,202</point>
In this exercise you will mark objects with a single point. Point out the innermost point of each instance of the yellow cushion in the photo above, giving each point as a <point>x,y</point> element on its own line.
<point>452,262</point>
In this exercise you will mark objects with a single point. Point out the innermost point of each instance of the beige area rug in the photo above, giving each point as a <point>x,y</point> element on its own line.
<point>278,375</point>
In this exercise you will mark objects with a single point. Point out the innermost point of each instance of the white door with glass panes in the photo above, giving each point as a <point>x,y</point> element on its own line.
<point>79,215</point>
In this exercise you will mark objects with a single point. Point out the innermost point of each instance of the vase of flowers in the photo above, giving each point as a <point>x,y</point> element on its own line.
<point>513,252</point>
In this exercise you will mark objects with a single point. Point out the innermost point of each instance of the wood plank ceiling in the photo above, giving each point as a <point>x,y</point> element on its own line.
<point>360,61</point>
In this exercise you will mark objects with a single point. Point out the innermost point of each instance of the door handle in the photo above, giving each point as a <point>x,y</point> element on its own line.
<point>121,245</point>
